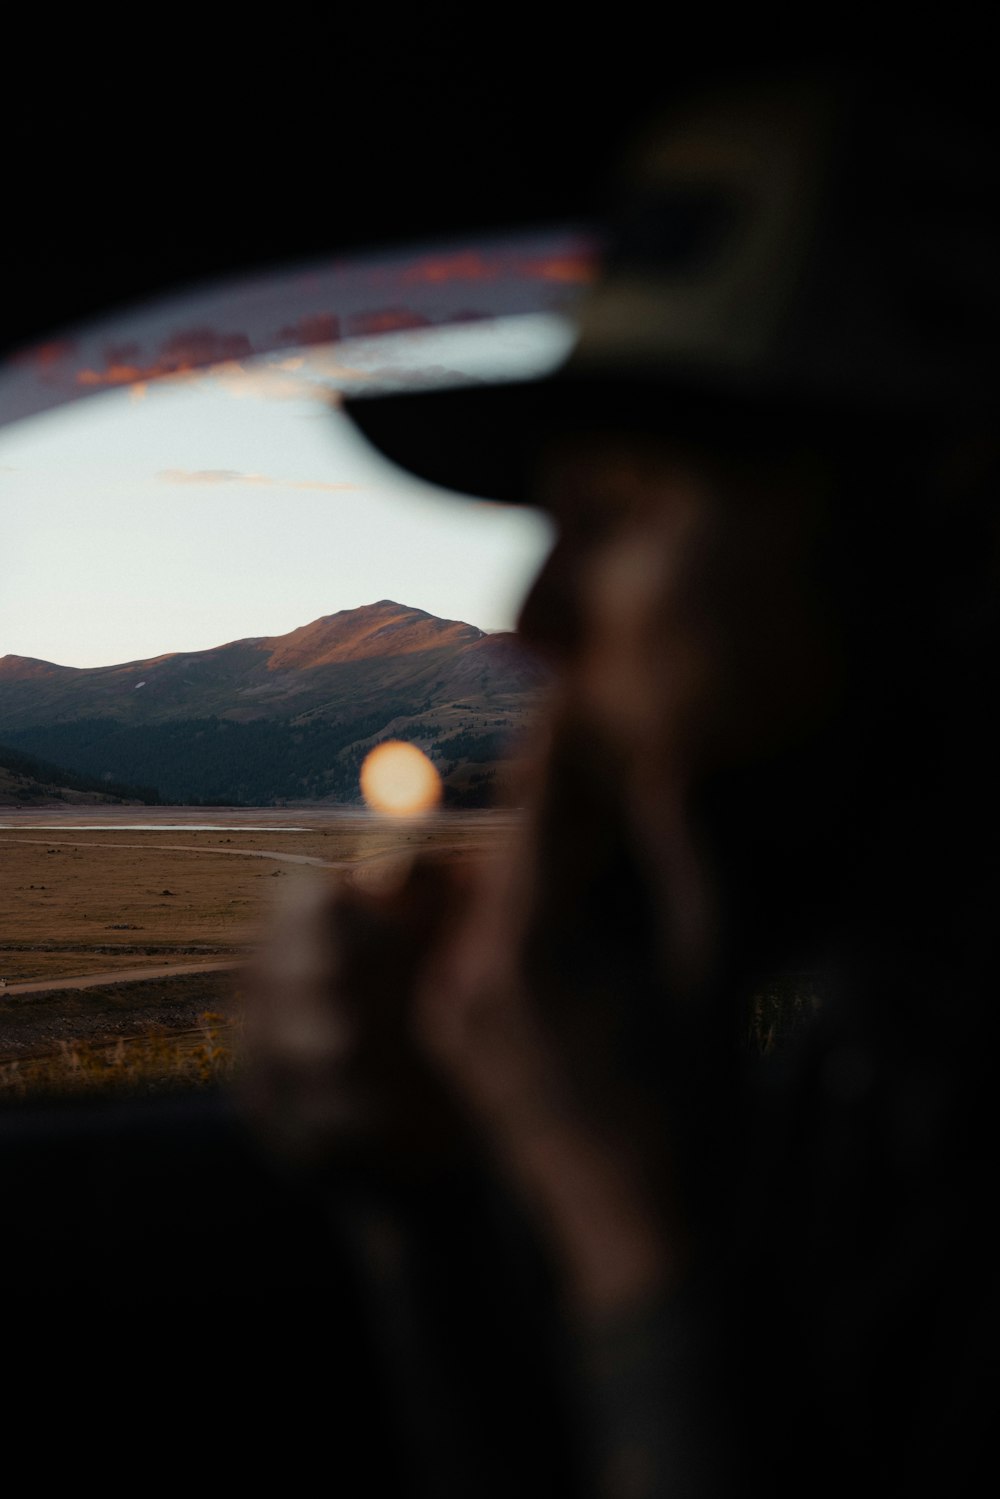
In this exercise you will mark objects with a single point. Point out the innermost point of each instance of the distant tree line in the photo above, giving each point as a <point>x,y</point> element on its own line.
<point>219,762</point>
<point>470,745</point>
<point>59,778</point>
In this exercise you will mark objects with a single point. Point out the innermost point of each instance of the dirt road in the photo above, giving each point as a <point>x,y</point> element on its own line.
<point>116,976</point>
<point>194,848</point>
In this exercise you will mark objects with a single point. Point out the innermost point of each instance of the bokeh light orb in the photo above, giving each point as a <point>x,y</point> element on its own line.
<point>399,779</point>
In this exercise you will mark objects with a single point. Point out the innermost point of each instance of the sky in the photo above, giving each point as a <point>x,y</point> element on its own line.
<point>179,513</point>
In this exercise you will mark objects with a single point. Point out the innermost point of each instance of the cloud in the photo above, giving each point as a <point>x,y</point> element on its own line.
<point>428,376</point>
<point>270,382</point>
<point>576,269</point>
<point>312,328</point>
<point>316,484</point>
<point>116,374</point>
<point>211,476</point>
<point>47,356</point>
<point>180,356</point>
<point>574,265</point>
<point>237,476</point>
<point>465,265</point>
<point>388,320</point>
<point>117,354</point>
<point>197,347</point>
<point>305,377</point>
<point>325,364</point>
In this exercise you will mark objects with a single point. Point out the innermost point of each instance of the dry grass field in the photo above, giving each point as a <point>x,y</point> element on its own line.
<point>123,930</point>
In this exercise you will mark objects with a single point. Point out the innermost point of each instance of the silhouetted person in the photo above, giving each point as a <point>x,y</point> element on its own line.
<point>768,771</point>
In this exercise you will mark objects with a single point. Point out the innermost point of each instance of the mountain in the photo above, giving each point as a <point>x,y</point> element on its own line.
<point>285,717</point>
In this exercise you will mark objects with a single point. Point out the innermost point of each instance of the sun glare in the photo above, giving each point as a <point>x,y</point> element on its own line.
<point>398,778</point>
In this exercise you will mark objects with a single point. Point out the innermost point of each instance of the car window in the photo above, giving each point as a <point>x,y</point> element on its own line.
<point>217,603</point>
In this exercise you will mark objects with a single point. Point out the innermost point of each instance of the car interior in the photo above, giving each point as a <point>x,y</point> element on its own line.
<point>400,204</point>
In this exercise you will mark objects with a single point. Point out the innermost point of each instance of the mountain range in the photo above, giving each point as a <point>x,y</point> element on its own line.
<point>285,717</point>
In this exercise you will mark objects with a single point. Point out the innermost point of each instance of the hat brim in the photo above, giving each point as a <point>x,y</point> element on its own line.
<point>481,441</point>
<point>489,441</point>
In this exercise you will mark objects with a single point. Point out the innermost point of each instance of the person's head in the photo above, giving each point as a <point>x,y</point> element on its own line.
<point>754,458</point>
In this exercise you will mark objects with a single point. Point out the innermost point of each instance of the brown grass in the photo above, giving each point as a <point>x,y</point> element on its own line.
<point>159,1060</point>
<point>83,903</point>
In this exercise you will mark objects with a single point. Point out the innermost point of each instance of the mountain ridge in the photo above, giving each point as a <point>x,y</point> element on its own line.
<point>402,615</point>
<point>308,703</point>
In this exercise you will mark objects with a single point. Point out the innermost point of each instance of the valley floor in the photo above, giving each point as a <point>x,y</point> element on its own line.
<point>121,924</point>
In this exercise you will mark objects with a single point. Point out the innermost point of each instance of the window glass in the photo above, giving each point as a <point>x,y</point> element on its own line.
<point>217,602</point>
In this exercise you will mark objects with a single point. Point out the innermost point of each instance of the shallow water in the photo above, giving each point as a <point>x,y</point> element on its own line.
<point>228,820</point>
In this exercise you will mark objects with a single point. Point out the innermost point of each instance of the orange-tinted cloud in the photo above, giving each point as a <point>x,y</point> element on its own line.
<point>389,320</point>
<point>181,354</point>
<point>123,374</point>
<point>466,265</point>
<point>579,269</point>
<point>45,356</point>
<point>472,265</point>
<point>312,328</point>
<point>118,374</point>
<point>236,476</point>
<point>212,476</point>
<point>117,354</point>
<point>197,347</point>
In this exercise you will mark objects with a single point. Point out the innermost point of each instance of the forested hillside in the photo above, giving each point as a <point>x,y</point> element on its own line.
<point>28,781</point>
<point>286,718</point>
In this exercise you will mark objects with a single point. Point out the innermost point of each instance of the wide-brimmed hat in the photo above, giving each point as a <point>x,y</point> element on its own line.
<point>787,252</point>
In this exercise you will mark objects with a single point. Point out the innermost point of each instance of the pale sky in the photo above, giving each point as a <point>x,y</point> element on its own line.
<point>184,513</point>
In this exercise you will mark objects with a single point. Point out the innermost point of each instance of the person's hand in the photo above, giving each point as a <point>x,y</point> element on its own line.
<point>485,1015</point>
<point>331,1074</point>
